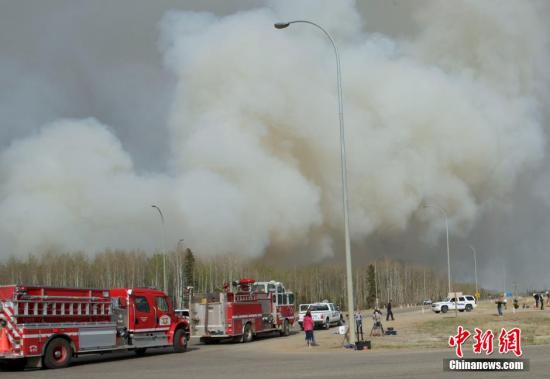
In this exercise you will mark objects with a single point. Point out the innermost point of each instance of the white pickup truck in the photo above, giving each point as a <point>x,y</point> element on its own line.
<point>464,303</point>
<point>324,314</point>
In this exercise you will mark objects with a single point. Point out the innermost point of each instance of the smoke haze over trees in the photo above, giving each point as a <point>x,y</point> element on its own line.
<point>401,282</point>
<point>230,126</point>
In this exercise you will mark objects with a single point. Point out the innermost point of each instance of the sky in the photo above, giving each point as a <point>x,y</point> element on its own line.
<point>230,126</point>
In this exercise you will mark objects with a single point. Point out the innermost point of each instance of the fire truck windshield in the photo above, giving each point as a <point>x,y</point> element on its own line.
<point>258,288</point>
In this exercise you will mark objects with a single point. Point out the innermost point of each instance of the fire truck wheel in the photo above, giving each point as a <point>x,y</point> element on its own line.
<point>180,341</point>
<point>58,354</point>
<point>247,333</point>
<point>140,352</point>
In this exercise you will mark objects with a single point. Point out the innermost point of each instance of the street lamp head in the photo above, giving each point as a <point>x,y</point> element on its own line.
<point>281,25</point>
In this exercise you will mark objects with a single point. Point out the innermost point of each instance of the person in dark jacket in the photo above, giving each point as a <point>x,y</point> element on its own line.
<point>389,313</point>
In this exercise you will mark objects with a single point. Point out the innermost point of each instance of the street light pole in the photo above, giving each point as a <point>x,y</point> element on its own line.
<point>165,283</point>
<point>447,230</point>
<point>425,297</point>
<point>179,275</point>
<point>475,264</point>
<point>349,283</point>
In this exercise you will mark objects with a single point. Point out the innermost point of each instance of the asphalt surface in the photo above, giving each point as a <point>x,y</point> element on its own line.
<point>240,361</point>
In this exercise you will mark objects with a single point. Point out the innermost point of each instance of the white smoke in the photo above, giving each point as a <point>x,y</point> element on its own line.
<point>451,115</point>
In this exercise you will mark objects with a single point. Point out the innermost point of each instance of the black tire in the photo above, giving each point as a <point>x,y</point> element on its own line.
<point>140,352</point>
<point>327,324</point>
<point>58,354</point>
<point>469,307</point>
<point>180,341</point>
<point>285,332</point>
<point>444,309</point>
<point>247,333</point>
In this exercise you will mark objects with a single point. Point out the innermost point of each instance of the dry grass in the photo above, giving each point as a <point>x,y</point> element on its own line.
<point>416,330</point>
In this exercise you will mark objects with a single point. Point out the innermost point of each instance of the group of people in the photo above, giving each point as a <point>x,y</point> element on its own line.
<point>539,302</point>
<point>309,325</point>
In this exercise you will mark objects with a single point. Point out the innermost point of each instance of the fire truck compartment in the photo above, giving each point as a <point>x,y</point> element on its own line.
<point>209,316</point>
<point>101,337</point>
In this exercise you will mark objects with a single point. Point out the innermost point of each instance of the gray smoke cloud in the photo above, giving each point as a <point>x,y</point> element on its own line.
<point>449,112</point>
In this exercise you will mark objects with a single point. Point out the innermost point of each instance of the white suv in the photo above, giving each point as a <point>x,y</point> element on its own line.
<point>464,303</point>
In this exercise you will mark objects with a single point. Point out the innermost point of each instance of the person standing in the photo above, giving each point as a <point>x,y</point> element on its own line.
<point>500,303</point>
<point>359,324</point>
<point>536,296</point>
<point>308,329</point>
<point>541,299</point>
<point>389,312</point>
<point>377,328</point>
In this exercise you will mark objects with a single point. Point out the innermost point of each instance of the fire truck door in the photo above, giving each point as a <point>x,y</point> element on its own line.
<point>144,315</point>
<point>162,304</point>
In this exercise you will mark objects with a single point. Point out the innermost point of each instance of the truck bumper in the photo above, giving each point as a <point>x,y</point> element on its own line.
<point>10,355</point>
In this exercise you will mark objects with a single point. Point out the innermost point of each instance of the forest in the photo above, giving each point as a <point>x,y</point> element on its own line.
<point>403,283</point>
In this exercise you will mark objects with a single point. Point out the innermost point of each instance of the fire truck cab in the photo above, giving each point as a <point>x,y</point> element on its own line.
<point>242,310</point>
<point>47,326</point>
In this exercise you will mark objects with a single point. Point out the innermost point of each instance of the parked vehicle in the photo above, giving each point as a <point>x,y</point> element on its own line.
<point>470,300</point>
<point>463,303</point>
<point>241,311</point>
<point>183,313</point>
<point>324,314</point>
<point>427,302</point>
<point>49,326</point>
<point>303,308</point>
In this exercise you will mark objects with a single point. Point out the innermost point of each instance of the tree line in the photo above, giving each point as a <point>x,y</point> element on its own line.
<point>382,280</point>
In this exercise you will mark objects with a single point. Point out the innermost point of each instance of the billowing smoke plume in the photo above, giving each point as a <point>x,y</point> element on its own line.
<point>450,116</point>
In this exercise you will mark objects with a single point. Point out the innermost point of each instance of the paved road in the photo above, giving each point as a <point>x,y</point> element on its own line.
<point>241,361</point>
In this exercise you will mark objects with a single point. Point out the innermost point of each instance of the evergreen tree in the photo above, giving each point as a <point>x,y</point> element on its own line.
<point>188,268</point>
<point>371,287</point>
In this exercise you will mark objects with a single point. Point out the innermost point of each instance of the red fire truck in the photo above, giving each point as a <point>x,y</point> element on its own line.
<point>46,326</point>
<point>242,310</point>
